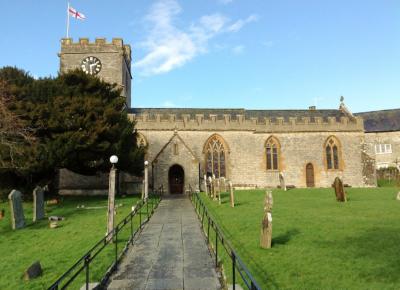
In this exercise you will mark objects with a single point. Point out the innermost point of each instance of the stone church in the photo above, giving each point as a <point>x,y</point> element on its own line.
<point>251,148</point>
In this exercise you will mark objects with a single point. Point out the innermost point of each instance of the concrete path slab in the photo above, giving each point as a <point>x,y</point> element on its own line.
<point>170,253</point>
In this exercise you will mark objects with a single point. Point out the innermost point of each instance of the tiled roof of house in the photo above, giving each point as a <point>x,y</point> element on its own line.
<point>381,121</point>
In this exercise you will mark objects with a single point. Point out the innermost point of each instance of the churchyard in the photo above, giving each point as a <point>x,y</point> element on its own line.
<point>57,249</point>
<point>317,242</point>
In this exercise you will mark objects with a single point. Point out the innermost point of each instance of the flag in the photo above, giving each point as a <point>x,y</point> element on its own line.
<point>72,12</point>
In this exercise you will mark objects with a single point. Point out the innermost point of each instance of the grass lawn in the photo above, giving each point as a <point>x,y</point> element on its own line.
<point>318,243</point>
<point>57,249</point>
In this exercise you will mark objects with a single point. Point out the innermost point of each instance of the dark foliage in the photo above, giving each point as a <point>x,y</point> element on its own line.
<point>78,122</point>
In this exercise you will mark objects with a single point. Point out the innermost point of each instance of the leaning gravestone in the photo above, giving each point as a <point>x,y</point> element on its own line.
<point>17,211</point>
<point>34,271</point>
<point>38,203</point>
<point>398,196</point>
<point>339,190</point>
<point>282,181</point>
<point>266,224</point>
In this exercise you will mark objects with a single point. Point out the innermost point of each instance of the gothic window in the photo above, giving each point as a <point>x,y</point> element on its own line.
<point>215,153</point>
<point>332,153</point>
<point>272,149</point>
<point>140,140</point>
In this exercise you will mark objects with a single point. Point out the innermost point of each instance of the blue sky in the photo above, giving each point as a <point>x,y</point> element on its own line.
<point>255,54</point>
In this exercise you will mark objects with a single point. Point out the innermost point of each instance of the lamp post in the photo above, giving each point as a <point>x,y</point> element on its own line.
<point>112,188</point>
<point>146,180</point>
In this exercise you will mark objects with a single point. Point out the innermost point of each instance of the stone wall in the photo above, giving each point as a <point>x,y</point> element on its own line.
<point>71,183</point>
<point>246,160</point>
<point>385,159</point>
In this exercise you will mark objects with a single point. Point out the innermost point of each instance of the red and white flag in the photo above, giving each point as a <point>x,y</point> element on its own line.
<point>72,12</point>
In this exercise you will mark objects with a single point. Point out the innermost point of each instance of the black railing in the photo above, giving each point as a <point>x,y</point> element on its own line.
<point>208,223</point>
<point>83,264</point>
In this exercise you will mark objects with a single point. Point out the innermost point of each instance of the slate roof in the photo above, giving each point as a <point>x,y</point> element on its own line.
<point>260,114</point>
<point>381,121</point>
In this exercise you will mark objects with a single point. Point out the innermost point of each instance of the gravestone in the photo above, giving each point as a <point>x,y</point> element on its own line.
<point>222,184</point>
<point>232,197</point>
<point>339,190</point>
<point>211,186</point>
<point>266,224</point>
<point>282,181</point>
<point>17,211</point>
<point>205,184</point>
<point>218,191</point>
<point>38,203</point>
<point>398,195</point>
<point>34,271</point>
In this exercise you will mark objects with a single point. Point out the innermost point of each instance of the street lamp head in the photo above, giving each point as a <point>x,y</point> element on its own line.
<point>146,163</point>
<point>114,159</point>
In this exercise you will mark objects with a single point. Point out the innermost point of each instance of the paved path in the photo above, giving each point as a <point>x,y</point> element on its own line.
<point>170,253</point>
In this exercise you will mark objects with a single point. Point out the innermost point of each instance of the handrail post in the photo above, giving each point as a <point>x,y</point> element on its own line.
<point>208,230</point>
<point>147,209</point>
<point>140,216</point>
<point>87,261</point>
<point>233,269</point>
<point>216,248</point>
<point>131,228</point>
<point>116,245</point>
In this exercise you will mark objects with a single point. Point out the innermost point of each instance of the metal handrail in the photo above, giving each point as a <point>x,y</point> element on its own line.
<point>237,262</point>
<point>84,262</point>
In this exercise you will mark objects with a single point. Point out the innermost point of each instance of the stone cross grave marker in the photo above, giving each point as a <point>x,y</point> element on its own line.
<point>339,190</point>
<point>232,197</point>
<point>282,181</point>
<point>266,224</point>
<point>17,211</point>
<point>38,203</point>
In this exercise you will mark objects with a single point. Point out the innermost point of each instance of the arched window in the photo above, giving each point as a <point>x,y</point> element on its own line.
<point>140,140</point>
<point>332,153</point>
<point>272,151</point>
<point>215,152</point>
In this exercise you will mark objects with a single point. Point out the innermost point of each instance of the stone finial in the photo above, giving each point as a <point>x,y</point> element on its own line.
<point>341,100</point>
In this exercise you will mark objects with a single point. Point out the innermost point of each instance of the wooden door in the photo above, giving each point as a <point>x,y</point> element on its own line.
<point>310,175</point>
<point>176,178</point>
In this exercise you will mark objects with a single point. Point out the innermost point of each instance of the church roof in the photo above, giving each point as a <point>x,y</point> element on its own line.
<point>260,114</point>
<point>381,121</point>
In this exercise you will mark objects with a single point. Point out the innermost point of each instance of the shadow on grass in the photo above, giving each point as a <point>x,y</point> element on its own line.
<point>285,238</point>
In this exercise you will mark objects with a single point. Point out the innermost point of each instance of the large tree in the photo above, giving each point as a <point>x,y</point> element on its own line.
<point>77,120</point>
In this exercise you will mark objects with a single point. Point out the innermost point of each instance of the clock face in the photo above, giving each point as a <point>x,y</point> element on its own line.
<point>91,65</point>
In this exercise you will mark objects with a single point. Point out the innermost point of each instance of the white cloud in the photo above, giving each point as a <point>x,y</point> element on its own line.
<point>239,49</point>
<point>168,47</point>
<point>242,22</point>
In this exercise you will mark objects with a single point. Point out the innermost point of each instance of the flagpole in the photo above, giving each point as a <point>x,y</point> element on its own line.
<point>68,21</point>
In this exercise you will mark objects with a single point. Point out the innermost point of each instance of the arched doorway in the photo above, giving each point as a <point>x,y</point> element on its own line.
<point>176,179</point>
<point>310,175</point>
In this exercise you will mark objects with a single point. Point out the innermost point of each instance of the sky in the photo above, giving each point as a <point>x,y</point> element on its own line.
<point>253,54</point>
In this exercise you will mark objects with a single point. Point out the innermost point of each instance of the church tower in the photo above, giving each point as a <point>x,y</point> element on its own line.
<point>110,61</point>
